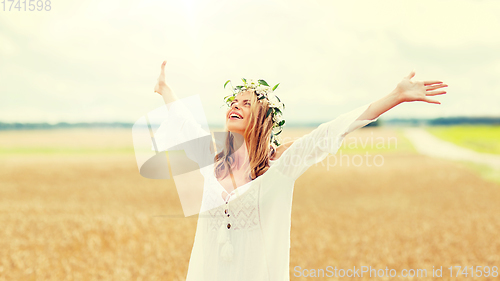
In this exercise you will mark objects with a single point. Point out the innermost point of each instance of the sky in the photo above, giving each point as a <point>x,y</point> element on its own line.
<point>98,61</point>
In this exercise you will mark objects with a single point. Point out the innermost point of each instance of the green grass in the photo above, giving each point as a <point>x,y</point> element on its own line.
<point>485,139</point>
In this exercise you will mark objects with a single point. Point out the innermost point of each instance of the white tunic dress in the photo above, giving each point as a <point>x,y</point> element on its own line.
<point>259,211</point>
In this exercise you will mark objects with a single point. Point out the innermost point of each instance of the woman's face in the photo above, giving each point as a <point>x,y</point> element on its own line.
<point>239,106</point>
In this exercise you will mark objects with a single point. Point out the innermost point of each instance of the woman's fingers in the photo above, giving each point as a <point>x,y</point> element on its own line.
<point>431,82</point>
<point>161,77</point>
<point>162,72</point>
<point>435,93</point>
<point>161,85</point>
<point>163,66</point>
<point>412,73</point>
<point>437,86</point>
<point>431,101</point>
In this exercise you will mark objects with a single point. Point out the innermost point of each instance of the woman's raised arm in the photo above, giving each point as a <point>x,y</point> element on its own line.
<point>405,91</point>
<point>297,156</point>
<point>180,129</point>
<point>163,89</point>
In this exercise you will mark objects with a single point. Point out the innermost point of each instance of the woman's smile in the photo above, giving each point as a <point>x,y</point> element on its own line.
<point>233,115</point>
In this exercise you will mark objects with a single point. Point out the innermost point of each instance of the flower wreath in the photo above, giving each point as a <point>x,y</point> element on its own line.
<point>263,91</point>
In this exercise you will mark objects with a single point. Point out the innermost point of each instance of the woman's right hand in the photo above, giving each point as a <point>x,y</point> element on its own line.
<point>161,86</point>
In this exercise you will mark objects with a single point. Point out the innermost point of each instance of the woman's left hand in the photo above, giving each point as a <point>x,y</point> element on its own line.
<point>409,91</point>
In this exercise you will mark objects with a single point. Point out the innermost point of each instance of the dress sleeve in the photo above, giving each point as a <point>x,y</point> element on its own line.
<point>315,146</point>
<point>180,130</point>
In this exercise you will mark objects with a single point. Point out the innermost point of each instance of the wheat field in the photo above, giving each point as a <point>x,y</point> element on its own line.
<point>74,207</point>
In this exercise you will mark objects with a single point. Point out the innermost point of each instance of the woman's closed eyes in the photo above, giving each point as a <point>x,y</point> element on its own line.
<point>235,100</point>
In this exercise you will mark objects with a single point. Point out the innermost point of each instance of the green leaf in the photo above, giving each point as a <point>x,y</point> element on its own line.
<point>281,123</point>
<point>278,133</point>
<point>277,98</point>
<point>275,86</point>
<point>226,83</point>
<point>230,99</point>
<point>268,112</point>
<point>244,80</point>
<point>278,110</point>
<point>262,82</point>
<point>239,87</point>
<point>261,97</point>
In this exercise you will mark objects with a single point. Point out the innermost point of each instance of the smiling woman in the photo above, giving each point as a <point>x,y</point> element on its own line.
<point>243,230</point>
<point>240,107</point>
<point>249,129</point>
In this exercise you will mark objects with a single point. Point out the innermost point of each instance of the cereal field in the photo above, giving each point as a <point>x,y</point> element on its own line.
<point>74,207</point>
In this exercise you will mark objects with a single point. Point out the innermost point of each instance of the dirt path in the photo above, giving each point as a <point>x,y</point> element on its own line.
<point>427,144</point>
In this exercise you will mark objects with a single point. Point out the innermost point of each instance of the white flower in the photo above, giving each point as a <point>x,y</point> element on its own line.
<point>262,89</point>
<point>273,103</point>
<point>281,107</point>
<point>251,82</point>
<point>277,119</point>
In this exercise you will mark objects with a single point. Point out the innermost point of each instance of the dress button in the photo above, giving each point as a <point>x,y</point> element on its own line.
<point>225,211</point>
<point>228,226</point>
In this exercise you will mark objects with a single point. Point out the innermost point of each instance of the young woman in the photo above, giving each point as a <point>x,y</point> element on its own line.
<point>243,230</point>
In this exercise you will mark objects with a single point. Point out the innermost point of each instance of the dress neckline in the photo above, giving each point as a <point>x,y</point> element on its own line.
<point>242,188</point>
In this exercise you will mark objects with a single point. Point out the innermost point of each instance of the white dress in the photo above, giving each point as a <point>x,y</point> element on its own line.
<point>259,211</point>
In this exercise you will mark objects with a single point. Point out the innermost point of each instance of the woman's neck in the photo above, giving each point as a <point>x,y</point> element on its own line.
<point>241,158</point>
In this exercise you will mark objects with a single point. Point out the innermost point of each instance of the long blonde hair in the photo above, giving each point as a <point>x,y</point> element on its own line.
<point>257,137</point>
